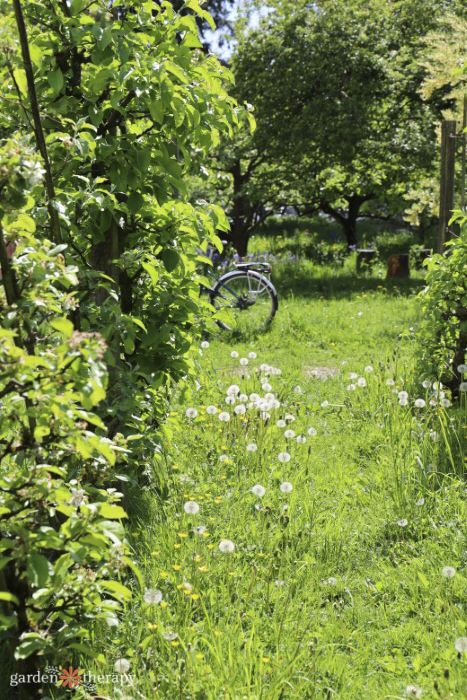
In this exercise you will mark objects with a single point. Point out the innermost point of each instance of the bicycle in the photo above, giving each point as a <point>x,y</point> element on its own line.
<point>247,293</point>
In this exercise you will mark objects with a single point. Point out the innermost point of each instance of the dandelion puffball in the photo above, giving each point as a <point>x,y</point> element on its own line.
<point>224,417</point>
<point>426,384</point>
<point>324,404</point>
<point>233,390</point>
<point>251,447</point>
<point>226,546</point>
<point>289,434</point>
<point>152,596</point>
<point>258,490</point>
<point>191,412</point>
<point>122,665</point>
<point>252,355</point>
<point>205,344</point>
<point>361,381</point>
<point>301,439</point>
<point>351,387</point>
<point>243,361</point>
<point>289,417</point>
<point>191,507</point>
<point>211,410</point>
<point>240,410</point>
<point>234,354</point>
<point>353,375</point>
<point>419,403</point>
<point>460,645</point>
<point>448,571</point>
<point>312,431</point>
<point>283,457</point>
<point>286,487</point>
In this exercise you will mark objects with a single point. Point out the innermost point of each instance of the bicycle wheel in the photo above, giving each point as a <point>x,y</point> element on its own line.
<point>248,296</point>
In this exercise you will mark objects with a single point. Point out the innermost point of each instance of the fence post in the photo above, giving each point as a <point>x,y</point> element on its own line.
<point>446,191</point>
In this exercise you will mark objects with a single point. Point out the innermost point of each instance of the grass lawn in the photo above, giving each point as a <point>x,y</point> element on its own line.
<point>315,547</point>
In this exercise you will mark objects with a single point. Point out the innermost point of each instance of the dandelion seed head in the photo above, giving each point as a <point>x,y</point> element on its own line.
<point>283,457</point>
<point>266,386</point>
<point>224,417</point>
<point>233,390</point>
<point>420,502</point>
<point>448,571</point>
<point>390,382</point>
<point>403,522</point>
<point>403,402</point>
<point>251,447</point>
<point>419,403</point>
<point>258,490</point>
<point>361,381</point>
<point>254,397</point>
<point>252,355</point>
<point>324,404</point>
<point>211,410</point>
<point>226,546</point>
<point>353,375</point>
<point>426,383</point>
<point>243,398</point>
<point>191,507</point>
<point>368,368</point>
<point>351,387</point>
<point>223,458</point>
<point>191,412</point>
<point>460,645</point>
<point>152,596</point>
<point>445,402</point>
<point>312,431</point>
<point>289,434</point>
<point>230,400</point>
<point>301,439</point>
<point>243,361</point>
<point>122,665</point>
<point>240,410</point>
<point>205,344</point>
<point>463,386</point>
<point>281,423</point>
<point>289,418</point>
<point>403,395</point>
<point>286,487</point>
<point>234,354</point>
<point>413,691</point>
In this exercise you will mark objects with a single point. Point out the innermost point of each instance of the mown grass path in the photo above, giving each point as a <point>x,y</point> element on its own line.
<point>336,586</point>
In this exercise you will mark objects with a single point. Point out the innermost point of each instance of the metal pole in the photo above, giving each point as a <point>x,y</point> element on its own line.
<point>446,193</point>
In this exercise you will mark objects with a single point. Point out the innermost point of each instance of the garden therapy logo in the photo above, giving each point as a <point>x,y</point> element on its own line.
<point>72,679</point>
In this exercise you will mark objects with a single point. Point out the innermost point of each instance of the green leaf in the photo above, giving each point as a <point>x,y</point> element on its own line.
<point>56,80</point>
<point>9,597</point>
<point>423,579</point>
<point>63,325</point>
<point>156,110</point>
<point>108,511</point>
<point>129,345</point>
<point>118,589</point>
<point>37,569</point>
<point>77,6</point>
<point>152,272</point>
<point>31,643</point>
<point>20,77</point>
<point>170,258</point>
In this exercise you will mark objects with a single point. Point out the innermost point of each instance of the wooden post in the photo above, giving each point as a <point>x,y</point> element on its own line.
<point>446,193</point>
<point>464,138</point>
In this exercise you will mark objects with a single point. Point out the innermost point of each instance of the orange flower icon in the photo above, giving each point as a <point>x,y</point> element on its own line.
<point>70,678</point>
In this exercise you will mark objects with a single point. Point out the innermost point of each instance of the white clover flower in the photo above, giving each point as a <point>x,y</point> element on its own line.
<point>403,395</point>
<point>240,410</point>
<point>289,418</point>
<point>390,382</point>
<point>361,381</point>
<point>152,596</point>
<point>205,344</point>
<point>413,691</point>
<point>233,390</point>
<point>463,386</point>
<point>403,402</point>
<point>224,417</point>
<point>234,354</point>
<point>301,439</point>
<point>353,375</point>
<point>243,361</point>
<point>226,546</point>
<point>211,410</point>
<point>281,423</point>
<point>243,398</point>
<point>191,507</point>
<point>252,355</point>
<point>122,665</point>
<point>289,434</point>
<point>266,386</point>
<point>420,502</point>
<point>283,457</point>
<point>324,404</point>
<point>223,458</point>
<point>460,645</point>
<point>199,530</point>
<point>403,522</point>
<point>286,487</point>
<point>251,447</point>
<point>191,412</point>
<point>351,387</point>
<point>258,490</point>
<point>448,571</point>
<point>368,368</point>
<point>230,400</point>
<point>419,403</point>
<point>445,402</point>
<point>426,383</point>
<point>254,397</point>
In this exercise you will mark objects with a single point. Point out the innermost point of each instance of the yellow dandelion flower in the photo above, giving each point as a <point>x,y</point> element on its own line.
<point>217,500</point>
<point>199,656</point>
<point>135,534</point>
<point>212,518</point>
<point>155,553</point>
<point>163,604</point>
<point>177,546</point>
<point>266,659</point>
<point>197,558</point>
<point>187,591</point>
<point>175,466</point>
<point>176,567</point>
<point>175,644</point>
<point>186,495</point>
<point>261,554</point>
<point>163,574</point>
<point>194,596</point>
<point>182,534</point>
<point>210,546</point>
<point>232,573</point>
<point>173,413</point>
<point>203,568</point>
<point>217,633</point>
<point>152,626</point>
<point>223,476</point>
<point>208,493</point>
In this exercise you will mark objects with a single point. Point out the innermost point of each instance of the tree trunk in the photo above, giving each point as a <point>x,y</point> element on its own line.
<point>348,219</point>
<point>241,213</point>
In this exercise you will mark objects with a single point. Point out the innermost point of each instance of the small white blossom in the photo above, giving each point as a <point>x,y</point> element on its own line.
<point>361,381</point>
<point>324,404</point>
<point>205,344</point>
<point>286,487</point>
<point>360,313</point>
<point>226,546</point>
<point>191,507</point>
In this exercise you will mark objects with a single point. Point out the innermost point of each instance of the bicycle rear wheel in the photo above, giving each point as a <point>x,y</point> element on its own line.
<point>248,296</point>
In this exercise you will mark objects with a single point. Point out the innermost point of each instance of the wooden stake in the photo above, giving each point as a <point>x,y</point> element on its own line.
<point>446,194</point>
